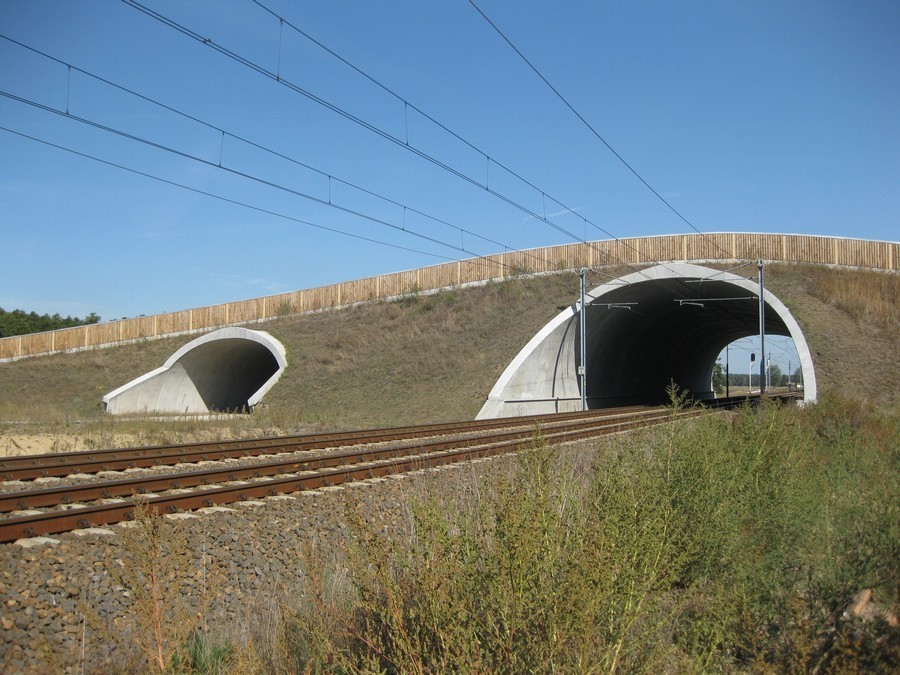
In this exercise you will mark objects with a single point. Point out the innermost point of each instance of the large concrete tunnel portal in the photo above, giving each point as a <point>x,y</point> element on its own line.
<point>664,324</point>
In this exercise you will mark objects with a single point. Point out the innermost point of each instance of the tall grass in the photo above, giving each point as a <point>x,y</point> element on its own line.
<point>731,543</point>
<point>870,297</point>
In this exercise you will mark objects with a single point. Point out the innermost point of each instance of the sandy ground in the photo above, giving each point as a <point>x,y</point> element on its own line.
<point>33,444</point>
<point>13,444</point>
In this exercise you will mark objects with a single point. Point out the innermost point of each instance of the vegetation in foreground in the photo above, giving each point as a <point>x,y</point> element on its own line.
<point>735,543</point>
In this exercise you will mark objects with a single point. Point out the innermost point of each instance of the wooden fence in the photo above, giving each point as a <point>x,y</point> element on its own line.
<point>879,255</point>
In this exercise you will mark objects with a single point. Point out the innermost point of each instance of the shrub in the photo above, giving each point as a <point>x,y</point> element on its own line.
<point>730,542</point>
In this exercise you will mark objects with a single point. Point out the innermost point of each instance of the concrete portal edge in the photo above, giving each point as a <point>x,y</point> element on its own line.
<point>231,364</point>
<point>548,362</point>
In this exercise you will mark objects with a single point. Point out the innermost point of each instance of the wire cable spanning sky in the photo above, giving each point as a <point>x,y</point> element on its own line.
<point>456,243</point>
<point>772,117</point>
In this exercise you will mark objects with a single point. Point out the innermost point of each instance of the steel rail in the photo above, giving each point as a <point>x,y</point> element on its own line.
<point>112,459</point>
<point>52,522</point>
<point>66,494</point>
<point>56,521</point>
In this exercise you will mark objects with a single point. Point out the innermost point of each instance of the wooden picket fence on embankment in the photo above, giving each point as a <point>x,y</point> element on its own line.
<point>878,255</point>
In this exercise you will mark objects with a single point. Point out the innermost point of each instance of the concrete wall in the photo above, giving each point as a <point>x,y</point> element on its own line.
<point>227,370</point>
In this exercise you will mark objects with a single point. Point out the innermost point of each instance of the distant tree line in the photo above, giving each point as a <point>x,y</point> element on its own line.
<point>776,377</point>
<point>19,322</point>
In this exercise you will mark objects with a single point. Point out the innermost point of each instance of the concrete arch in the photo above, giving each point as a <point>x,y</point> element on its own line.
<point>227,370</point>
<point>640,336</point>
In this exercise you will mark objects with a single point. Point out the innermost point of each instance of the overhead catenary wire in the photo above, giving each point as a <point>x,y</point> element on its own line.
<point>407,105</point>
<point>228,200</point>
<point>230,134</point>
<point>461,248</point>
<point>219,163</point>
<point>405,142</point>
<point>591,127</point>
<point>243,204</point>
<point>250,177</point>
<point>401,142</point>
<point>222,167</point>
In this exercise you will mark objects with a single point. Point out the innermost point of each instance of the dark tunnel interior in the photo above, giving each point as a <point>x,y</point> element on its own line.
<point>673,332</point>
<point>228,372</point>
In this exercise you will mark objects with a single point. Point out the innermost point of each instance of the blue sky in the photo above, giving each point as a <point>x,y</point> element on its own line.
<point>745,116</point>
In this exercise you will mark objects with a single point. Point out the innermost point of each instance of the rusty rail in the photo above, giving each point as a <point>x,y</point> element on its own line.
<point>423,456</point>
<point>28,467</point>
<point>277,477</point>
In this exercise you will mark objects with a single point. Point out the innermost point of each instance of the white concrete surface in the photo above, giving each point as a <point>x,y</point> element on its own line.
<point>230,369</point>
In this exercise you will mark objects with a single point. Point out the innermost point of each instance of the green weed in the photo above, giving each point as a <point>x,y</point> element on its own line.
<point>733,542</point>
<point>162,628</point>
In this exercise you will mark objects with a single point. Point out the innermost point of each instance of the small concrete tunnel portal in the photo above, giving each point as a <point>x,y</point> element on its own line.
<point>664,324</point>
<point>228,370</point>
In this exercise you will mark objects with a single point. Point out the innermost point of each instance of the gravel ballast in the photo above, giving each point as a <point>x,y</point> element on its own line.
<point>65,608</point>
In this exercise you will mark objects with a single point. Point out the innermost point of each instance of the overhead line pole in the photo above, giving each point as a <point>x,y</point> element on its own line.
<point>582,369</point>
<point>762,330</point>
<point>727,371</point>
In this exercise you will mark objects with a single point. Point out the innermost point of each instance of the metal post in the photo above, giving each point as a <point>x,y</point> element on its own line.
<point>750,373</point>
<point>762,330</point>
<point>727,373</point>
<point>582,369</point>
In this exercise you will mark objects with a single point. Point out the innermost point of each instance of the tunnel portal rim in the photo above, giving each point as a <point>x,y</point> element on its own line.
<point>261,338</point>
<point>497,400</point>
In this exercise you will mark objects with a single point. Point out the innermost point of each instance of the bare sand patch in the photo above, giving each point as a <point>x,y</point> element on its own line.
<point>12,445</point>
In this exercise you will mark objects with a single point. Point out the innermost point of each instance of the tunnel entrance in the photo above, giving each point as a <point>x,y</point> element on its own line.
<point>228,370</point>
<point>643,331</point>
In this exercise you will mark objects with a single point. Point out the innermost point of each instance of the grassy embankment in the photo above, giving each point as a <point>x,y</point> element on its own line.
<point>424,358</point>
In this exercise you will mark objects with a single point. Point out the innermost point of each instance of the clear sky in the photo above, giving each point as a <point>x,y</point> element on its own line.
<point>764,116</point>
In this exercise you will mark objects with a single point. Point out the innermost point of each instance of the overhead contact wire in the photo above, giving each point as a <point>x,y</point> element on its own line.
<point>374,129</point>
<point>408,105</point>
<point>591,128</point>
<point>220,197</point>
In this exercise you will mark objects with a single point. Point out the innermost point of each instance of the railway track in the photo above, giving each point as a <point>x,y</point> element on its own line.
<point>274,466</point>
<point>50,465</point>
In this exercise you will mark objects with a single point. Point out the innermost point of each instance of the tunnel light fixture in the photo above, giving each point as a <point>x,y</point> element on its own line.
<point>700,301</point>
